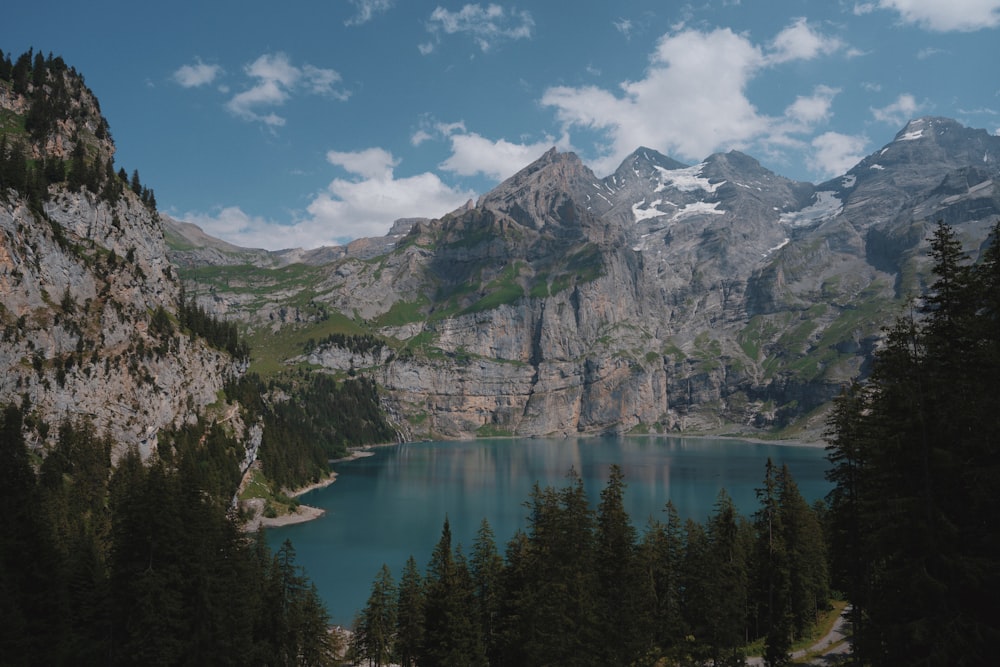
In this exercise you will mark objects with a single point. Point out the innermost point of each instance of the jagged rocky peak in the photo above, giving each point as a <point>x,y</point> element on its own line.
<point>534,195</point>
<point>946,139</point>
<point>645,161</point>
<point>920,153</point>
<point>734,164</point>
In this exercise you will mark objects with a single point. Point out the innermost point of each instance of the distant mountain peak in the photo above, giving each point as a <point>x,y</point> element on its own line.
<point>541,185</point>
<point>924,127</point>
<point>651,156</point>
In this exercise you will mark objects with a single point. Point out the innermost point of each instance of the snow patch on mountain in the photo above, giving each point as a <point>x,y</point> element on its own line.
<point>777,247</point>
<point>686,180</point>
<point>697,208</point>
<point>643,211</point>
<point>826,206</point>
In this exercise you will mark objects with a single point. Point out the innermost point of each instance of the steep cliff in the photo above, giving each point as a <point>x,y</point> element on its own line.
<point>713,297</point>
<point>88,298</point>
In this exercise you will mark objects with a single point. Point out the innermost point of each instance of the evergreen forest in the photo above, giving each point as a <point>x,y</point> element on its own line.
<point>915,450</point>
<point>580,586</point>
<point>142,564</point>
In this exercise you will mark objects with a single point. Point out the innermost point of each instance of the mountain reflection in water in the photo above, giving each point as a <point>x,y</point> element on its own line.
<point>387,506</point>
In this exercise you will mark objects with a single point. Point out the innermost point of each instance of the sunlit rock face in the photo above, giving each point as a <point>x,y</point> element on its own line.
<point>81,276</point>
<point>665,296</point>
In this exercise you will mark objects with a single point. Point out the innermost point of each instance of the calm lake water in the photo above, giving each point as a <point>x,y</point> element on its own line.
<point>385,507</point>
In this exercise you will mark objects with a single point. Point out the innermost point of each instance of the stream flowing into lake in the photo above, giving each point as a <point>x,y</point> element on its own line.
<point>392,504</point>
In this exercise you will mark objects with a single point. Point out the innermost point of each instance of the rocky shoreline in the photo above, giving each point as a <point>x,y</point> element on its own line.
<point>302,513</point>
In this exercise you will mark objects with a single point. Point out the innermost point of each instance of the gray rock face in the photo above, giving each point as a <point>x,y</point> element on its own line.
<point>76,312</point>
<point>718,296</point>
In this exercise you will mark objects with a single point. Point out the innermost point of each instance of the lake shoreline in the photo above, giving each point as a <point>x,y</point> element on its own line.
<point>306,513</point>
<point>740,438</point>
<point>391,506</point>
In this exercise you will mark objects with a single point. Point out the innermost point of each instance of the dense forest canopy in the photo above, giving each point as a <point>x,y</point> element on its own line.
<point>916,453</point>
<point>583,586</point>
<point>142,564</point>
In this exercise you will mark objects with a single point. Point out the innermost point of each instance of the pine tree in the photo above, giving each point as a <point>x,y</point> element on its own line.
<point>558,606</point>
<point>808,575</point>
<point>451,635</point>
<point>617,575</point>
<point>29,626</point>
<point>728,539</point>
<point>486,567</point>
<point>409,615</point>
<point>699,593</point>
<point>660,556</point>
<point>375,628</point>
<point>773,573</point>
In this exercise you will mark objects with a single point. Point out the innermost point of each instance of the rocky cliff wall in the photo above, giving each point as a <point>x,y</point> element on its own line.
<point>80,283</point>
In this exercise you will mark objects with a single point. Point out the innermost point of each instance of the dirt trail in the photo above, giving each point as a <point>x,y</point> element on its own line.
<point>832,649</point>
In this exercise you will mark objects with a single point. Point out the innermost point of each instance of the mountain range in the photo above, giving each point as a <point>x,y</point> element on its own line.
<point>710,298</point>
<point>717,297</point>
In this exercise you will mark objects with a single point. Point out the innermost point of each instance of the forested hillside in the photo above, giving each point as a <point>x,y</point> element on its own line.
<point>142,564</point>
<point>916,454</point>
<point>128,421</point>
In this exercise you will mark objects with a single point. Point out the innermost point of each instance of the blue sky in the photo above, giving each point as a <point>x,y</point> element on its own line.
<point>311,123</point>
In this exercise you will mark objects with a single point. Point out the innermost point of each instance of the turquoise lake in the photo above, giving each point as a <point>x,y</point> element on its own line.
<point>387,506</point>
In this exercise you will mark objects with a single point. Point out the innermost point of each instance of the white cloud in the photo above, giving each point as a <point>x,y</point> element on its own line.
<point>800,41</point>
<point>487,26</point>
<point>232,224</point>
<point>624,26</point>
<point>276,79</point>
<point>347,209</point>
<point>420,136</point>
<point>370,163</point>
<point>472,154</point>
<point>366,10</point>
<point>955,15</point>
<point>812,109</point>
<point>902,110</point>
<point>693,99</point>
<point>834,153</point>
<point>367,206</point>
<point>199,74</point>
